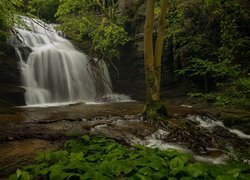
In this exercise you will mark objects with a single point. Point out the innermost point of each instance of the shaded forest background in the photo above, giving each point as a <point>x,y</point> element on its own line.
<point>206,47</point>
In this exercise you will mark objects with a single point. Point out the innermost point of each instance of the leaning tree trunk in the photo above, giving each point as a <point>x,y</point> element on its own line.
<point>154,109</point>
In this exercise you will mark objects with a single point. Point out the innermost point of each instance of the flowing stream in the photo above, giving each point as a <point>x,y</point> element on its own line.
<point>215,156</point>
<point>55,72</point>
<point>209,123</point>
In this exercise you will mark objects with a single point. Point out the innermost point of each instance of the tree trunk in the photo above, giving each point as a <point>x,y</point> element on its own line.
<point>151,79</point>
<point>154,109</point>
<point>159,44</point>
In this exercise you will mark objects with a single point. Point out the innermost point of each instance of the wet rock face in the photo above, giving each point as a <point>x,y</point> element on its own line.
<point>128,76</point>
<point>10,77</point>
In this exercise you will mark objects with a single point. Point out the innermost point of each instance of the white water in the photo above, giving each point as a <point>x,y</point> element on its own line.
<point>55,72</point>
<point>208,123</point>
<point>155,140</point>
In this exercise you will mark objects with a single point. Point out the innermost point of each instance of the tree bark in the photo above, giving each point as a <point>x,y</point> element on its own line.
<point>154,109</point>
<point>151,90</point>
<point>159,44</point>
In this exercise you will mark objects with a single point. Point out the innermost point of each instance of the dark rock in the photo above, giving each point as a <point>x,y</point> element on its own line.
<point>10,76</point>
<point>222,132</point>
<point>25,51</point>
<point>130,77</point>
<point>245,128</point>
<point>237,121</point>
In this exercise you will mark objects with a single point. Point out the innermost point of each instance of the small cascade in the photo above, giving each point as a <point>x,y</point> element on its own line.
<point>55,72</point>
<point>209,123</point>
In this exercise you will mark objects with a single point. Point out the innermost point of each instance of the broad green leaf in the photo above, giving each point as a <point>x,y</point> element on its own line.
<point>85,137</point>
<point>186,178</point>
<point>176,163</point>
<point>74,146</point>
<point>225,177</point>
<point>234,172</point>
<point>18,173</point>
<point>93,157</point>
<point>123,166</point>
<point>194,171</point>
<point>142,177</point>
<point>145,171</point>
<point>12,177</point>
<point>76,156</point>
<point>25,176</point>
<point>161,174</point>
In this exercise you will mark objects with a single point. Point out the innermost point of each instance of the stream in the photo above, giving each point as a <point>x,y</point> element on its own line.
<point>28,130</point>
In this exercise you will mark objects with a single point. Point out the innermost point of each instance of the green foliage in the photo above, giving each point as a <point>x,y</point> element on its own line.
<point>206,68</point>
<point>210,39</point>
<point>107,38</point>
<point>7,12</point>
<point>101,158</point>
<point>97,20</point>
<point>44,9</point>
<point>236,93</point>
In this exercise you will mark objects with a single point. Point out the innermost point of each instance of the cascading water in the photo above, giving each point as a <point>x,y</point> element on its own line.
<point>55,72</point>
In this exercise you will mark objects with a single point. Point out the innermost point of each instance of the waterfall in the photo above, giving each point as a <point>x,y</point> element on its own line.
<point>54,71</point>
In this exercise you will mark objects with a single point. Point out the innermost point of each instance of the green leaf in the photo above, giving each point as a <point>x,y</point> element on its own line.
<point>122,166</point>
<point>12,177</point>
<point>186,178</point>
<point>225,177</point>
<point>73,146</point>
<point>18,173</point>
<point>145,171</point>
<point>85,137</point>
<point>234,172</point>
<point>93,157</point>
<point>76,156</point>
<point>56,172</point>
<point>176,163</point>
<point>163,173</point>
<point>142,177</point>
<point>194,170</point>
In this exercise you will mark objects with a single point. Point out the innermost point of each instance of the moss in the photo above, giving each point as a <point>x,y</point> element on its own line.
<point>155,111</point>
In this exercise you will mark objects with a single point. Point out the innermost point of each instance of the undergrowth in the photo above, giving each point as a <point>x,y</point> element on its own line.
<point>236,93</point>
<point>102,158</point>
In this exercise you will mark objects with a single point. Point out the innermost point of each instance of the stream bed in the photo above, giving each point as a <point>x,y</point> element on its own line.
<point>26,130</point>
